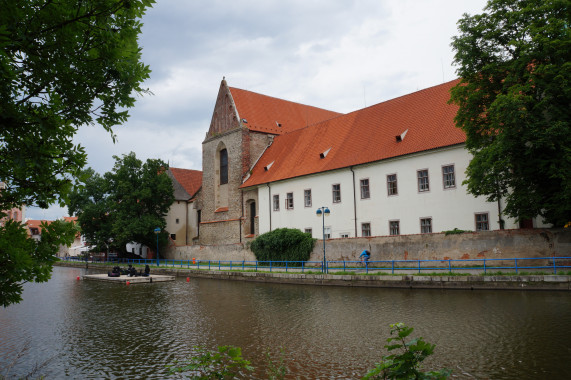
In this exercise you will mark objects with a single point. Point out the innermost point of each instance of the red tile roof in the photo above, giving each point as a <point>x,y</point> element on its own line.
<point>264,113</point>
<point>363,136</point>
<point>190,180</point>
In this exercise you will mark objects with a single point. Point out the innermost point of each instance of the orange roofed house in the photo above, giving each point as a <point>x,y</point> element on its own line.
<point>392,168</point>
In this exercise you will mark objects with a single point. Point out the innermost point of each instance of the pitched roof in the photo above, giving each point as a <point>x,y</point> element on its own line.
<point>363,136</point>
<point>266,114</point>
<point>189,180</point>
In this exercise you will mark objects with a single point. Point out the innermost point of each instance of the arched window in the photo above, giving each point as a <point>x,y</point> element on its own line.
<point>223,166</point>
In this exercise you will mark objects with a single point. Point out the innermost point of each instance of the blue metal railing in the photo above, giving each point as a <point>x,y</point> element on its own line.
<point>482,265</point>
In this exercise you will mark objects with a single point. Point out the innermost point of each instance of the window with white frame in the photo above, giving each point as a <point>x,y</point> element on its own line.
<point>365,229</point>
<point>365,193</point>
<point>448,177</point>
<point>276,202</point>
<point>289,201</point>
<point>425,225</point>
<point>392,188</point>
<point>307,198</point>
<point>336,193</point>
<point>308,231</point>
<point>422,176</point>
<point>394,227</point>
<point>344,235</point>
<point>482,222</point>
<point>327,232</point>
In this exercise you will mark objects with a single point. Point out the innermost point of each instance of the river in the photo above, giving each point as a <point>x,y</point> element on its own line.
<point>93,330</point>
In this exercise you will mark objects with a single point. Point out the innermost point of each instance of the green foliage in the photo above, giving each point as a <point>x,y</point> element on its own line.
<point>225,363</point>
<point>62,65</point>
<point>455,231</point>
<point>27,260</point>
<point>124,205</point>
<point>276,368</point>
<point>513,98</point>
<point>406,363</point>
<point>283,244</point>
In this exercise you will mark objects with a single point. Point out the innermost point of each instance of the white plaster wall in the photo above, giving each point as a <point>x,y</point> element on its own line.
<point>448,208</point>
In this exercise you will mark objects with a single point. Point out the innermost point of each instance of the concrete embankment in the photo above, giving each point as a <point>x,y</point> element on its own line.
<point>508,282</point>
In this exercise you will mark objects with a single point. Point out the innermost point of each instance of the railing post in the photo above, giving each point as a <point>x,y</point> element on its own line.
<point>367,267</point>
<point>218,264</point>
<point>208,264</point>
<point>230,264</point>
<point>484,265</point>
<point>515,265</point>
<point>343,265</point>
<point>286,266</point>
<point>393,270</point>
<point>554,266</point>
<point>449,266</point>
<point>270,266</point>
<point>419,266</point>
<point>256,265</point>
<point>243,261</point>
<point>302,266</point>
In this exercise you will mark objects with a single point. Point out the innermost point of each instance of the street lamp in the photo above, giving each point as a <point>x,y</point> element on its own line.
<point>322,211</point>
<point>157,232</point>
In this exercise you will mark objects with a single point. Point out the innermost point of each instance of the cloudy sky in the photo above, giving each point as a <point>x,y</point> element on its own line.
<point>339,55</point>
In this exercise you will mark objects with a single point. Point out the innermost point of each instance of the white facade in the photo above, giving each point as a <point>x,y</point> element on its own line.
<point>439,207</point>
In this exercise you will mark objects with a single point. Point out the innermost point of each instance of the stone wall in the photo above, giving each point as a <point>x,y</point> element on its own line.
<point>490,244</point>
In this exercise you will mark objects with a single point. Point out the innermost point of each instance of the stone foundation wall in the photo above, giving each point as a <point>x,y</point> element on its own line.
<point>490,244</point>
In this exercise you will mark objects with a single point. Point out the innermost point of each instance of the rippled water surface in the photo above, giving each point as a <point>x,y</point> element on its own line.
<point>93,330</point>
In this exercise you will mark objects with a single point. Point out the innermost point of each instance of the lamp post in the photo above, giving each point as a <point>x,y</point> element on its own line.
<point>322,211</point>
<point>157,232</point>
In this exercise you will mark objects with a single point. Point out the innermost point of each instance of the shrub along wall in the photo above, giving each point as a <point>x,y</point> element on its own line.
<point>490,244</point>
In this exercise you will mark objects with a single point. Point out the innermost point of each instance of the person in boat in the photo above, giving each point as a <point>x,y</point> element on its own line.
<point>132,271</point>
<point>116,272</point>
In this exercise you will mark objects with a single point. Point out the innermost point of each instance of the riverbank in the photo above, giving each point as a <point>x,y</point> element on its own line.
<point>408,281</point>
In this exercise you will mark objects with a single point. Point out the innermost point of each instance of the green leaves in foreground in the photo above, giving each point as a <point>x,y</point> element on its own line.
<point>406,364</point>
<point>225,363</point>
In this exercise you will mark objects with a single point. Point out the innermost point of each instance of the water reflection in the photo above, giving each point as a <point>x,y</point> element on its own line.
<point>102,330</point>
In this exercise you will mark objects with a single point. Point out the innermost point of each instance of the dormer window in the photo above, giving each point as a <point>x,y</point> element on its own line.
<point>324,154</point>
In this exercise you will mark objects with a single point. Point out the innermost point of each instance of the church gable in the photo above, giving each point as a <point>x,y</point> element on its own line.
<point>225,116</point>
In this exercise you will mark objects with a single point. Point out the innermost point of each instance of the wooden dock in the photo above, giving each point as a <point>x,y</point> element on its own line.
<point>132,280</point>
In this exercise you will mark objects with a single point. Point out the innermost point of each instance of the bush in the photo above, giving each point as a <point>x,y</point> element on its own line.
<point>283,244</point>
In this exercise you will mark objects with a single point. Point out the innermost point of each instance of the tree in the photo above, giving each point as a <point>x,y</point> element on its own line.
<point>26,260</point>
<point>126,204</point>
<point>514,102</point>
<point>63,65</point>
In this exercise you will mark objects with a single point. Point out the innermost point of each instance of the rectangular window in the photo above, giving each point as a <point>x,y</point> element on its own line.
<point>177,221</point>
<point>448,177</point>
<point>327,232</point>
<point>425,225</point>
<point>394,227</point>
<point>365,229</point>
<point>344,235</point>
<point>307,198</point>
<point>289,201</point>
<point>482,223</point>
<point>392,184</point>
<point>309,231</point>
<point>422,176</point>
<point>173,236</point>
<point>336,193</point>
<point>365,194</point>
<point>276,202</point>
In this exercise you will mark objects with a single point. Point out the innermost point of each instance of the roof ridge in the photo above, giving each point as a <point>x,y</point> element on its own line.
<point>283,100</point>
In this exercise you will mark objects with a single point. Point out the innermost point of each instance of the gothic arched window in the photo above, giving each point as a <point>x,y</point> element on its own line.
<point>223,166</point>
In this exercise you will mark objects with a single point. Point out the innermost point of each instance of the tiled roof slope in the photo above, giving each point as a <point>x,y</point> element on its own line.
<point>363,136</point>
<point>190,180</point>
<point>263,113</point>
